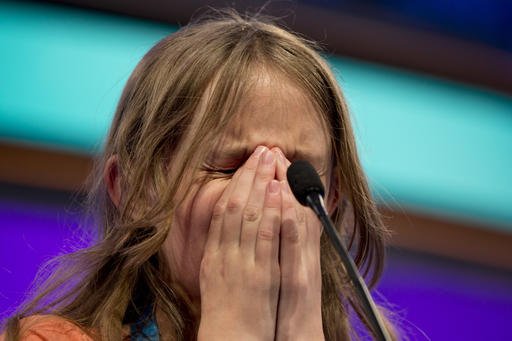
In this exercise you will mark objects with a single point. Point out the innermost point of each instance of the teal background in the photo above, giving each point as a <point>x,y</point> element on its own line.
<point>427,144</point>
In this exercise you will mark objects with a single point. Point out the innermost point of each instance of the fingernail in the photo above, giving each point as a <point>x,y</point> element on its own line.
<point>279,155</point>
<point>268,157</point>
<point>283,158</point>
<point>276,157</point>
<point>273,187</point>
<point>259,150</point>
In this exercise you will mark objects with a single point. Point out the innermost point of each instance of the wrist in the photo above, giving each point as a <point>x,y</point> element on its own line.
<point>230,330</point>
<point>223,334</point>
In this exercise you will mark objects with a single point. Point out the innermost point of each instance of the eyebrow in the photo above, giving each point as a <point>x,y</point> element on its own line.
<point>317,160</point>
<point>228,152</point>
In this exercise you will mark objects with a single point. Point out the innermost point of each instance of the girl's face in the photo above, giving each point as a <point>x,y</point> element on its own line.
<point>277,114</point>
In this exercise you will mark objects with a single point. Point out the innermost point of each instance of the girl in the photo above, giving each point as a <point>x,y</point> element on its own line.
<point>199,234</point>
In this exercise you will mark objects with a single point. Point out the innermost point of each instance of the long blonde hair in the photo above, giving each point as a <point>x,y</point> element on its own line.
<point>156,128</point>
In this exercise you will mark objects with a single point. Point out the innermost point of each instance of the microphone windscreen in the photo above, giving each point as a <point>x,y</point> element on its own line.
<point>304,180</point>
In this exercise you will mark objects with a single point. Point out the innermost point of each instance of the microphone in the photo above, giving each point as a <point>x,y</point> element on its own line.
<point>308,189</point>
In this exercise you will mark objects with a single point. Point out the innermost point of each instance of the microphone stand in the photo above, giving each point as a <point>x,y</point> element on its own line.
<point>316,203</point>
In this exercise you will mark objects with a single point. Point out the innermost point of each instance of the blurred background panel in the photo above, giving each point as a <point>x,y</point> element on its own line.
<point>429,84</point>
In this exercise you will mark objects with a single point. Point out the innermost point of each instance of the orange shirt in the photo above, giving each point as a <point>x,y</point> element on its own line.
<point>50,328</point>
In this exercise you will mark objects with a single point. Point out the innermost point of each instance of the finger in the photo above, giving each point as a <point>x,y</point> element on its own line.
<point>291,234</point>
<point>253,211</point>
<point>309,226</point>
<point>217,221</point>
<point>267,241</point>
<point>313,231</point>
<point>281,164</point>
<point>312,227</point>
<point>237,201</point>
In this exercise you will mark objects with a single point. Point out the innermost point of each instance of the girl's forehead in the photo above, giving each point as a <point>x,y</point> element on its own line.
<point>276,114</point>
<point>278,99</point>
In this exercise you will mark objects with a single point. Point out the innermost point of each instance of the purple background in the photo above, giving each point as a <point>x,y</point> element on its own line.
<point>434,298</point>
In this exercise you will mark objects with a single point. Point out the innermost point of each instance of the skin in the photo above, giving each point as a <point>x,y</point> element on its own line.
<point>245,250</point>
<point>243,235</point>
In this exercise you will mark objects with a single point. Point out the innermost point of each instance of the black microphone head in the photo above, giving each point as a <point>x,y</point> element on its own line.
<point>304,180</point>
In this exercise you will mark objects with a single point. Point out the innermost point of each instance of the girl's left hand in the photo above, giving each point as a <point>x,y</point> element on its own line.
<point>299,315</point>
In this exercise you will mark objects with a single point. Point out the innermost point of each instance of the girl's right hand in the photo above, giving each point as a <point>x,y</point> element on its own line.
<point>240,276</point>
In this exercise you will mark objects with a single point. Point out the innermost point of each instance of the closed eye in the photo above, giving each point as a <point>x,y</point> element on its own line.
<point>218,170</point>
<point>226,171</point>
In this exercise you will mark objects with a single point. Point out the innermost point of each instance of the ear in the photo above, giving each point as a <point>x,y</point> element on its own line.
<point>333,196</point>
<point>112,179</point>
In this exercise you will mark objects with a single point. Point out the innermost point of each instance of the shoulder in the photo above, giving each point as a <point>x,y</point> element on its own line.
<point>50,327</point>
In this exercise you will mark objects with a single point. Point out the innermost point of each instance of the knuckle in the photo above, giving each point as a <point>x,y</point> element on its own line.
<point>266,233</point>
<point>301,215</point>
<point>300,284</point>
<point>218,210</point>
<point>290,231</point>
<point>234,204</point>
<point>206,265</point>
<point>251,213</point>
<point>297,283</point>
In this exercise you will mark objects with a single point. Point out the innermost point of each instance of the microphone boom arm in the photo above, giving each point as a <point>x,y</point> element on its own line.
<point>316,203</point>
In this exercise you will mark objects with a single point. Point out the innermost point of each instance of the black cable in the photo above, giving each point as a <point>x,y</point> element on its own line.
<point>374,318</point>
